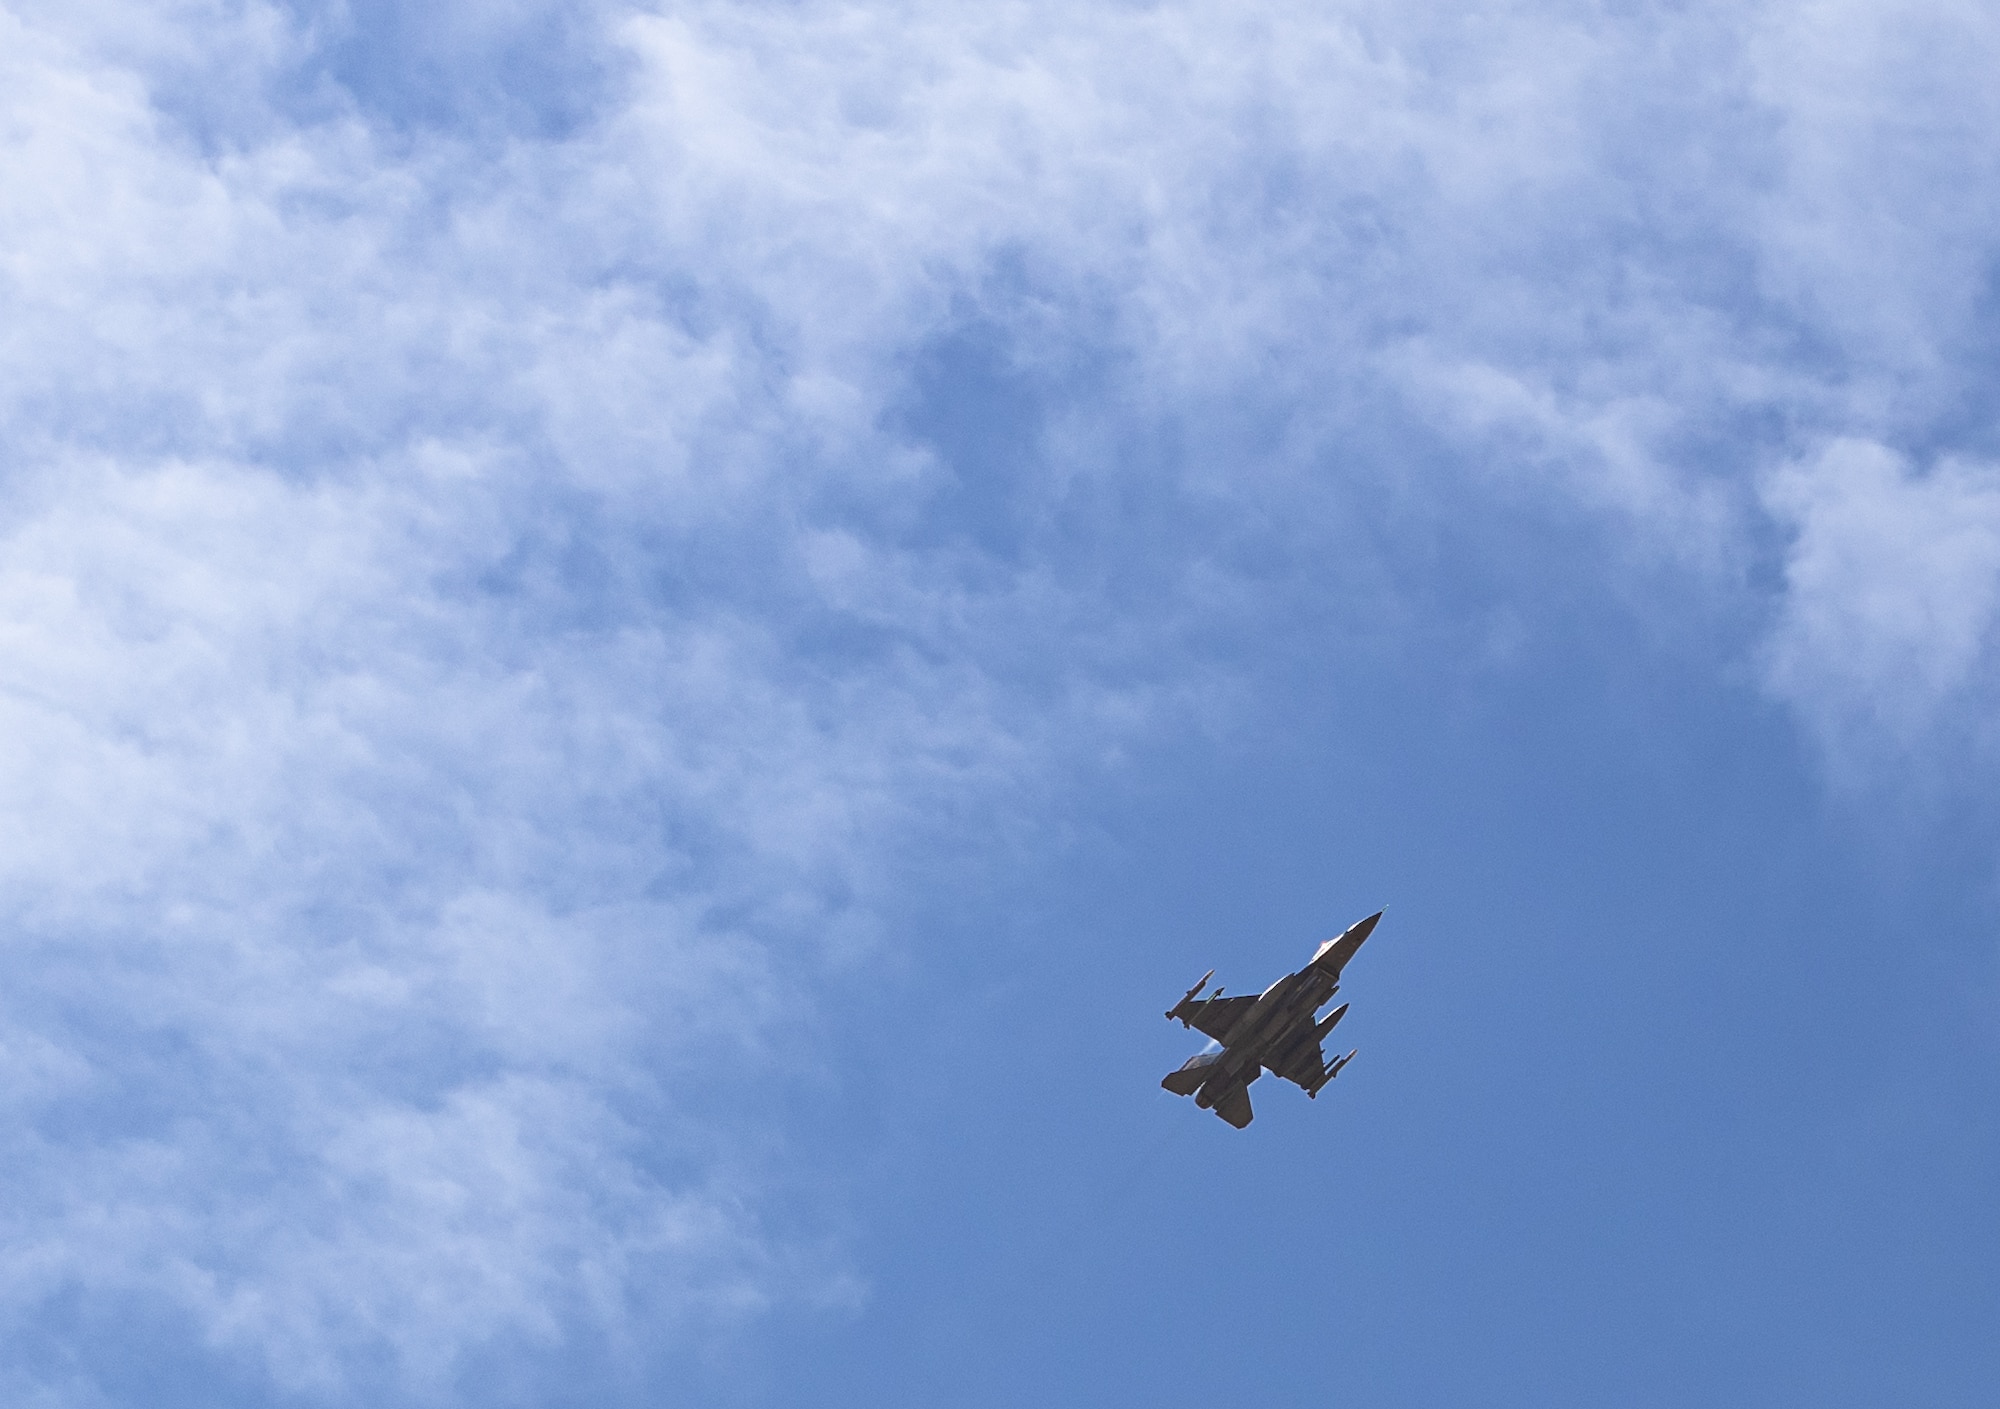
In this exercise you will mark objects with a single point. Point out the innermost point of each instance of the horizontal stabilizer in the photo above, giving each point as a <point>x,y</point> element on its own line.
<point>1235,1107</point>
<point>1192,1073</point>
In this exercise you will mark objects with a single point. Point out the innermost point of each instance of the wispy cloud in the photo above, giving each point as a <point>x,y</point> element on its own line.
<point>513,523</point>
<point>1892,580</point>
<point>444,731</point>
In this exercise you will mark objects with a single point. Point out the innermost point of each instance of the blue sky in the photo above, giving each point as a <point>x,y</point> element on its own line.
<point>641,642</point>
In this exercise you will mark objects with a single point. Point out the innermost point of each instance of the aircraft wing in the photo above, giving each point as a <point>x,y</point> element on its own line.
<point>1304,1064</point>
<point>1215,1016</point>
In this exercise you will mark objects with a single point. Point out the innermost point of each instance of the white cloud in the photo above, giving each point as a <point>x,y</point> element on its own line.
<point>415,789</point>
<point>1892,581</point>
<point>421,537</point>
<point>1876,227</point>
<point>343,991</point>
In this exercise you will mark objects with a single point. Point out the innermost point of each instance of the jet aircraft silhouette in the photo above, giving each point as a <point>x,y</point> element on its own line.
<point>1276,1030</point>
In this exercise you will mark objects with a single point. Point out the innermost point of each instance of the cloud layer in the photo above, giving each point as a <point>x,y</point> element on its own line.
<point>513,526</point>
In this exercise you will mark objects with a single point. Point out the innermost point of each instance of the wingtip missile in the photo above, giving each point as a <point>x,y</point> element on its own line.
<point>1188,997</point>
<point>1332,1070</point>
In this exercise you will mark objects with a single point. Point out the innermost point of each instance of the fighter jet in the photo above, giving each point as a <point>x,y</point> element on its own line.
<point>1276,1030</point>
